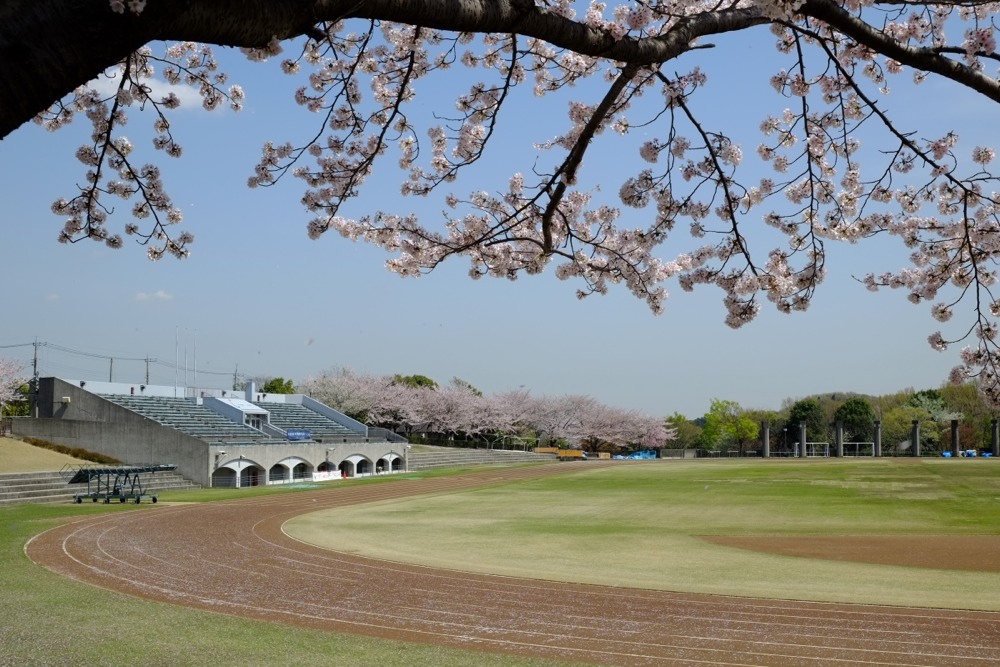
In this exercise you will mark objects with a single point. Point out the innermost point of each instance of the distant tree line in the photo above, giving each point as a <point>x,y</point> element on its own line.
<point>729,427</point>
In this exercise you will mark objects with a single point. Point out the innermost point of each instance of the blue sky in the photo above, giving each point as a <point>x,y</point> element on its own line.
<point>258,296</point>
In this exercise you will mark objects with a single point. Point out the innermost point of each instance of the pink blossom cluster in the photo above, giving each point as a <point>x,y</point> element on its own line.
<point>109,156</point>
<point>134,6</point>
<point>458,408</point>
<point>11,379</point>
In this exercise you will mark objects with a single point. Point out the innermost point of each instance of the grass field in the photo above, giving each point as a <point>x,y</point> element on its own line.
<point>642,526</point>
<point>601,524</point>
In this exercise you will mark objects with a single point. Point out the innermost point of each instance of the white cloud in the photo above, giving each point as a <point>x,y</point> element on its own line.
<point>158,295</point>
<point>107,86</point>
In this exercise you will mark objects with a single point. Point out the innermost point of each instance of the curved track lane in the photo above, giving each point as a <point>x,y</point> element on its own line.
<point>232,557</point>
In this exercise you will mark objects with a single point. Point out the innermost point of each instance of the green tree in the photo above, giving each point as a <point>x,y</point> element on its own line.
<point>17,405</point>
<point>975,429</point>
<point>278,386</point>
<point>858,418</point>
<point>687,432</point>
<point>728,425</point>
<point>886,403</point>
<point>765,417</point>
<point>897,427</point>
<point>468,386</point>
<point>415,381</point>
<point>810,412</point>
<point>931,401</point>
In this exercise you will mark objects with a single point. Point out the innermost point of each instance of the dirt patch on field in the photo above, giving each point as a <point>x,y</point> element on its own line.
<point>975,553</point>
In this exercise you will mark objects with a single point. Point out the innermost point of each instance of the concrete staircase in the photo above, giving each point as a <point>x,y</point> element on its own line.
<point>453,457</point>
<point>51,487</point>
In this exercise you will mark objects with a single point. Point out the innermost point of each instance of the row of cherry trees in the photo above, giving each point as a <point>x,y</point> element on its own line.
<point>459,410</point>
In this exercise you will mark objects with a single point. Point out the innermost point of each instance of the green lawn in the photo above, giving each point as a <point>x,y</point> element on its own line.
<point>640,526</point>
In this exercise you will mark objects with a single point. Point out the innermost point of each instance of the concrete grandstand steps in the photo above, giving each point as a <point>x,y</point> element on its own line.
<point>450,457</point>
<point>51,487</point>
<point>186,416</point>
<point>288,416</point>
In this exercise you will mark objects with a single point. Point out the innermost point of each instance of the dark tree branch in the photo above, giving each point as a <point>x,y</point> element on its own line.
<point>49,47</point>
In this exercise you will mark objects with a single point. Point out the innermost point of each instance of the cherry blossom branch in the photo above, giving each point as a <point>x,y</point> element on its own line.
<point>925,59</point>
<point>565,175</point>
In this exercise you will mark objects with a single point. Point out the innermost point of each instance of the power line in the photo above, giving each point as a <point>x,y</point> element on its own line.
<point>109,358</point>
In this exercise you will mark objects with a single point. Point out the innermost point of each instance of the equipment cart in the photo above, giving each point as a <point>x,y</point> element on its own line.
<point>121,483</point>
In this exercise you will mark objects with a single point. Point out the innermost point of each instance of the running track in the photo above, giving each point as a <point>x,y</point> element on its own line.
<point>232,557</point>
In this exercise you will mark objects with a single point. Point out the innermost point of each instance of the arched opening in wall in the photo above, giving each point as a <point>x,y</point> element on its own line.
<point>278,473</point>
<point>363,467</point>
<point>397,464</point>
<point>380,467</point>
<point>301,471</point>
<point>347,469</point>
<point>224,478</point>
<point>250,476</point>
<point>325,466</point>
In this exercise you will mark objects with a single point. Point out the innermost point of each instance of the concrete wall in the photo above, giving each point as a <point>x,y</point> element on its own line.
<point>136,388</point>
<point>130,443</point>
<point>92,423</point>
<point>265,456</point>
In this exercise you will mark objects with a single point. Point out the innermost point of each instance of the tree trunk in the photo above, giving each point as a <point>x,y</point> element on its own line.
<point>50,47</point>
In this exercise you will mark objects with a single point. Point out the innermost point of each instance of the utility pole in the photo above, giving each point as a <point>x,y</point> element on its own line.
<point>34,381</point>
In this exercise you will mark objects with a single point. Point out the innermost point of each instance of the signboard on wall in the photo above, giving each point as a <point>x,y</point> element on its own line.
<point>298,434</point>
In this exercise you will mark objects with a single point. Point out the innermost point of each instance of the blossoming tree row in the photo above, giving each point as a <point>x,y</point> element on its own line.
<point>458,409</point>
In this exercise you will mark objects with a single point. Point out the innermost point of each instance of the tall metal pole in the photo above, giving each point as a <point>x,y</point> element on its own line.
<point>34,381</point>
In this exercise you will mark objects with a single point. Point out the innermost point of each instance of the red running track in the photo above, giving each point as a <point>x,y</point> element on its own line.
<point>232,557</point>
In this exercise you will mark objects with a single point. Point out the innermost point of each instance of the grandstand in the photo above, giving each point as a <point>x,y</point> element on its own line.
<point>214,437</point>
